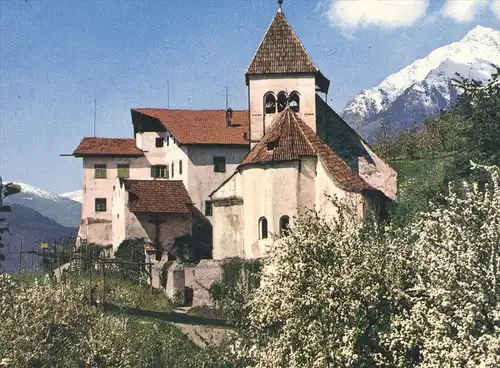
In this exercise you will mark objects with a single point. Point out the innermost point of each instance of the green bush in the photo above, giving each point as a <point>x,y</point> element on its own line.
<point>239,279</point>
<point>131,250</point>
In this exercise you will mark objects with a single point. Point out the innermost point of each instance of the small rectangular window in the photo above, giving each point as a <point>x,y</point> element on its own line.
<point>159,171</point>
<point>180,167</point>
<point>219,164</point>
<point>100,171</point>
<point>172,169</point>
<point>159,142</point>
<point>100,204</point>
<point>123,170</point>
<point>208,208</point>
<point>168,140</point>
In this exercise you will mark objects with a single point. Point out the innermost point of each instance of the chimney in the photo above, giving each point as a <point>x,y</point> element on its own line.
<point>229,117</point>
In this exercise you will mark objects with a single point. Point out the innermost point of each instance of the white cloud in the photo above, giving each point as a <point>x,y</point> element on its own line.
<point>354,14</point>
<point>462,10</point>
<point>495,8</point>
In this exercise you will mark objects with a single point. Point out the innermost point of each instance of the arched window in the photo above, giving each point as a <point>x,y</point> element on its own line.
<point>282,101</point>
<point>263,233</point>
<point>294,101</point>
<point>270,103</point>
<point>284,224</point>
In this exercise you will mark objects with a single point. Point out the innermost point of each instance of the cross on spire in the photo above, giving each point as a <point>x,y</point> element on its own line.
<point>280,3</point>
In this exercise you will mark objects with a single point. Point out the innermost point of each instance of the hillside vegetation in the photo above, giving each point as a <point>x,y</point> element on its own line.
<point>427,157</point>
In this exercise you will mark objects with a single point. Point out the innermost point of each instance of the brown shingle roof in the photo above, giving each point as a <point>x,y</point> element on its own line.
<point>158,196</point>
<point>290,138</point>
<point>281,51</point>
<point>95,146</point>
<point>201,126</point>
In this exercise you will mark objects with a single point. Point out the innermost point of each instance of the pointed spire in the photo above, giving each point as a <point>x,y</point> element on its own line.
<point>281,52</point>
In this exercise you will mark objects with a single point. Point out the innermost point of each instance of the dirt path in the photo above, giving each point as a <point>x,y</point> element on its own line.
<point>202,331</point>
<point>201,335</point>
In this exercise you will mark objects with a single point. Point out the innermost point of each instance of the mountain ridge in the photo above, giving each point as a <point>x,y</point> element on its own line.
<point>65,211</point>
<point>426,84</point>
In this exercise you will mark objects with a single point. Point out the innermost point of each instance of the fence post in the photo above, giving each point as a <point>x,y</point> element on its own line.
<point>21,257</point>
<point>89,252</point>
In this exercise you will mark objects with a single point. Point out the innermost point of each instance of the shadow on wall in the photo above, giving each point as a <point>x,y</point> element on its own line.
<point>339,135</point>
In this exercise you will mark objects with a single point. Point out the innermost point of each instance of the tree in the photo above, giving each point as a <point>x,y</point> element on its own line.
<point>5,191</point>
<point>453,317</point>
<point>132,250</point>
<point>426,295</point>
<point>481,104</point>
<point>324,297</point>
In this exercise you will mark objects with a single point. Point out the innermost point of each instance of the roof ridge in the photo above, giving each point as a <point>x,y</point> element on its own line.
<point>301,44</point>
<point>302,130</point>
<point>261,41</point>
<point>355,176</point>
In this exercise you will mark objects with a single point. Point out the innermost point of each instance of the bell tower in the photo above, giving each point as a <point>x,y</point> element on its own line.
<point>282,73</point>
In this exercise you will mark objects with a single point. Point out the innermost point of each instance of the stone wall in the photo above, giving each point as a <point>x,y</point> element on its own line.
<point>206,272</point>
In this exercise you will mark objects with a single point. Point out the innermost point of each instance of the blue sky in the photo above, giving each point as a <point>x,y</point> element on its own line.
<point>57,56</point>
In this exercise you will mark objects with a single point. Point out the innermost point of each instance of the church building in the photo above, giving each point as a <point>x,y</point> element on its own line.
<point>234,179</point>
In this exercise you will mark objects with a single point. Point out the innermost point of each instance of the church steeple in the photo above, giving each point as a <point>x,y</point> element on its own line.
<point>282,73</point>
<point>281,52</point>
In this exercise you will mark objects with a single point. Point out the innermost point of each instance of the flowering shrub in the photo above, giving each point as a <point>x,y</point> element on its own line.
<point>340,295</point>
<point>47,325</point>
<point>454,313</point>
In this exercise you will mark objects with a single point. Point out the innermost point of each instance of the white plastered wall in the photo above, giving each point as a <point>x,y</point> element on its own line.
<point>228,220</point>
<point>202,180</point>
<point>327,192</point>
<point>273,191</point>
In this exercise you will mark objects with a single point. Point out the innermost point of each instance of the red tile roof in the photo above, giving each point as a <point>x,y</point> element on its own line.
<point>201,126</point>
<point>290,138</point>
<point>158,196</point>
<point>281,51</point>
<point>95,146</point>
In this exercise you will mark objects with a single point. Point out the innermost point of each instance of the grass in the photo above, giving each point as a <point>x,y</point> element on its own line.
<point>207,312</point>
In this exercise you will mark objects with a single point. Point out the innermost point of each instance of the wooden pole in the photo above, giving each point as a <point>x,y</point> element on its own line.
<point>80,260</point>
<point>21,257</point>
<point>150,277</point>
<point>90,276</point>
<point>58,263</point>
<point>43,261</point>
<point>103,295</point>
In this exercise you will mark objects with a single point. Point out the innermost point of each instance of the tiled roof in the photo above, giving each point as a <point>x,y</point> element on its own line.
<point>158,196</point>
<point>201,126</point>
<point>281,51</point>
<point>290,138</point>
<point>95,146</point>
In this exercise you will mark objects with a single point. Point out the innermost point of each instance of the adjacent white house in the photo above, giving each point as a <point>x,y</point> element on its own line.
<point>198,149</point>
<point>235,177</point>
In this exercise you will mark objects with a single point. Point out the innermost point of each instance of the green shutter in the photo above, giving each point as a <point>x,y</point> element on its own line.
<point>100,171</point>
<point>123,171</point>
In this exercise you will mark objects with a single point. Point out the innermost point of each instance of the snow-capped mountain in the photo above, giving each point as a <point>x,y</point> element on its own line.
<point>76,196</point>
<point>29,228</point>
<point>425,87</point>
<point>64,211</point>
